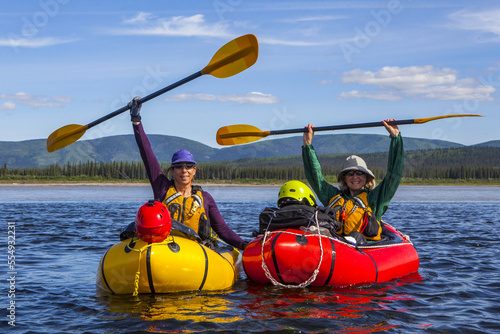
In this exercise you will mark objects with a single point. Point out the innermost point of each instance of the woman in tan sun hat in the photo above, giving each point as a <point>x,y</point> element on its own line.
<point>357,202</point>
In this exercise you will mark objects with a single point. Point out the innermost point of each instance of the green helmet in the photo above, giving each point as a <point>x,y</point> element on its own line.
<point>296,192</point>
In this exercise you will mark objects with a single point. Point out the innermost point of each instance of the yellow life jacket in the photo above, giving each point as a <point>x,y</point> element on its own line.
<point>356,215</point>
<point>189,210</point>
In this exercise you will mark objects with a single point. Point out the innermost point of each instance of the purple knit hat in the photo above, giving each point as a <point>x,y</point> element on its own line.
<point>182,156</point>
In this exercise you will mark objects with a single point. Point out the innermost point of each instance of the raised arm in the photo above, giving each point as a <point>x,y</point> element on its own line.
<point>159,182</point>
<point>380,197</point>
<point>312,170</point>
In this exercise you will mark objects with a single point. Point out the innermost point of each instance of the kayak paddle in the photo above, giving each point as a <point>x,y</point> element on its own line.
<point>234,57</point>
<point>242,134</point>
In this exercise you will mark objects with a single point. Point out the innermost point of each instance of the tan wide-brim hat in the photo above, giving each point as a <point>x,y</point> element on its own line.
<point>353,162</point>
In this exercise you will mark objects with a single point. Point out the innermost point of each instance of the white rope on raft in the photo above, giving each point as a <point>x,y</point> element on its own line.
<point>315,272</point>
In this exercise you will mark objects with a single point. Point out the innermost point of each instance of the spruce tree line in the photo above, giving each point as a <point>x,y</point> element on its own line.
<point>126,170</point>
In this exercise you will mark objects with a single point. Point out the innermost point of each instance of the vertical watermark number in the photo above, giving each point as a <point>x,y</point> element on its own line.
<point>11,273</point>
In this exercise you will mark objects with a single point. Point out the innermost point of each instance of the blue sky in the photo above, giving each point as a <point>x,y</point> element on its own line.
<point>320,62</point>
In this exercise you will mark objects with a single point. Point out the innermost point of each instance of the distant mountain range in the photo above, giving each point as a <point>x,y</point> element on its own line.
<point>33,153</point>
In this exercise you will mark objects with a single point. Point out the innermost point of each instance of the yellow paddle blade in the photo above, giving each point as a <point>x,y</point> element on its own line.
<point>234,57</point>
<point>65,136</point>
<point>239,134</point>
<point>428,119</point>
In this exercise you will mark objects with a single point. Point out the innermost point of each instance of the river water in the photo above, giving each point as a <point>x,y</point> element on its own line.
<point>62,232</point>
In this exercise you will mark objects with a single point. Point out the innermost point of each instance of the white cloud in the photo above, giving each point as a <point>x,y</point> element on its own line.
<point>194,25</point>
<point>275,41</point>
<point>419,82</point>
<point>382,96</point>
<point>325,82</point>
<point>315,19</point>
<point>61,98</point>
<point>32,100</point>
<point>190,97</point>
<point>7,106</point>
<point>484,21</point>
<point>249,98</point>
<point>140,17</point>
<point>22,42</point>
<point>402,77</point>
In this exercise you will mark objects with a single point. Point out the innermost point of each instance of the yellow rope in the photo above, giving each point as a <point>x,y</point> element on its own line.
<point>140,250</point>
<point>137,276</point>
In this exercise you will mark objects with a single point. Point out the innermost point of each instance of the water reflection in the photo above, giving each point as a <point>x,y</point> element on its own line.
<point>61,236</point>
<point>192,308</point>
<point>326,303</point>
<point>346,310</point>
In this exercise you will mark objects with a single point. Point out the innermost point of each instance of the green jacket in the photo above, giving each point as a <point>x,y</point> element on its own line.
<point>379,197</point>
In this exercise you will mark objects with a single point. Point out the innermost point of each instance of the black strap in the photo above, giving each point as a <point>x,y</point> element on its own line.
<point>184,229</point>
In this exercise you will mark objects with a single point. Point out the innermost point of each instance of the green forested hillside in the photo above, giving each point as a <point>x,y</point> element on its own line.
<point>491,143</point>
<point>438,163</point>
<point>33,153</point>
<point>117,158</point>
<point>466,163</point>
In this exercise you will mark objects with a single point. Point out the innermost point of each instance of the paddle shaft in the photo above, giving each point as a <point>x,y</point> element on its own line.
<point>146,99</point>
<point>231,58</point>
<point>341,127</point>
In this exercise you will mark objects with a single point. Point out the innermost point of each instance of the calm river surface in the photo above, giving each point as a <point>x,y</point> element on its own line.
<point>61,233</point>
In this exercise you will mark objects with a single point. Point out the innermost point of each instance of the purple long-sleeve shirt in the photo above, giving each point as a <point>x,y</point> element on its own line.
<point>160,184</point>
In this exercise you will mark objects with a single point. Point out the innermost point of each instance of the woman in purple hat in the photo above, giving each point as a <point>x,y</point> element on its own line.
<point>187,203</point>
<point>357,202</point>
